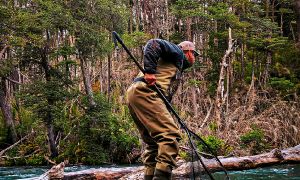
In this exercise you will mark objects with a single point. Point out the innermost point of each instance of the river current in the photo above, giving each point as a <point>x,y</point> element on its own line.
<point>279,172</point>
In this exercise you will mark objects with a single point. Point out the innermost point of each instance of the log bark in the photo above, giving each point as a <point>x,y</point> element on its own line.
<point>276,156</point>
<point>103,173</point>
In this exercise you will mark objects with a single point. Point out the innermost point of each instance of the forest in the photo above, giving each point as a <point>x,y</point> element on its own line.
<point>63,83</point>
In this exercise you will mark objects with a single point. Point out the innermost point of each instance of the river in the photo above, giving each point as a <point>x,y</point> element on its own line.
<point>279,172</point>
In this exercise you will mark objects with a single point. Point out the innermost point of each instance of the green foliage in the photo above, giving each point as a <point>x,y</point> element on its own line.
<point>220,12</point>
<point>254,139</point>
<point>37,96</point>
<point>217,145</point>
<point>93,25</point>
<point>213,127</point>
<point>31,151</point>
<point>100,137</point>
<point>6,67</point>
<point>194,82</point>
<point>177,37</point>
<point>187,8</point>
<point>281,84</point>
<point>184,155</point>
<point>280,71</point>
<point>3,131</point>
<point>135,39</point>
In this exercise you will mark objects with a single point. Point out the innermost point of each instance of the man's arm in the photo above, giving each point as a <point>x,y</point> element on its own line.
<point>152,52</point>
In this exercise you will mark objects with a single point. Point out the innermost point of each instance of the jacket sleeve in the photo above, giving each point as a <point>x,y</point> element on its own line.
<point>156,48</point>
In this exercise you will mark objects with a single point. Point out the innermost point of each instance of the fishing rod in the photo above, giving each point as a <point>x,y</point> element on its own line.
<point>116,39</point>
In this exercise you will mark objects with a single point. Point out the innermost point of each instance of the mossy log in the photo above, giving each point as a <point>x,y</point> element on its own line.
<point>276,156</point>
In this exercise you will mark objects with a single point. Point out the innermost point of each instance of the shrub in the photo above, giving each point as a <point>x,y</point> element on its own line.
<point>217,146</point>
<point>254,140</point>
<point>281,84</point>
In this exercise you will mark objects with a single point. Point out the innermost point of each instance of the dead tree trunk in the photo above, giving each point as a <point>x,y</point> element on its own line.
<point>220,98</point>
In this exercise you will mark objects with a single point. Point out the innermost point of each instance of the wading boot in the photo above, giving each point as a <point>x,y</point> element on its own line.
<point>148,177</point>
<point>162,175</point>
<point>148,173</point>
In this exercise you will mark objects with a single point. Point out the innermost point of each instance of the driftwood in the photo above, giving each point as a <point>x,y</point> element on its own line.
<point>103,173</point>
<point>276,156</point>
<point>56,172</point>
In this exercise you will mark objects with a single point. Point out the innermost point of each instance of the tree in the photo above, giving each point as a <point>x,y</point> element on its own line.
<point>297,12</point>
<point>6,67</point>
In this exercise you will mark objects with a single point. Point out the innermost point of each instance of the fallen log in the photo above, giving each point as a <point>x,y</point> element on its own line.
<point>102,173</point>
<point>276,156</point>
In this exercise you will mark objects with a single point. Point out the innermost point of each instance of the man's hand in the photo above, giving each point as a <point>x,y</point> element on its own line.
<point>150,79</point>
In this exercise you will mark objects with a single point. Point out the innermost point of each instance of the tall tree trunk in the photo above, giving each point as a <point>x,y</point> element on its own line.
<point>189,29</point>
<point>281,24</point>
<point>109,78</point>
<point>5,104</point>
<point>167,20</point>
<point>131,17</point>
<point>297,11</point>
<point>266,72</point>
<point>7,112</point>
<point>267,68</point>
<point>242,61</point>
<point>137,14</point>
<point>267,7</point>
<point>49,116</point>
<point>273,10</point>
<point>87,81</point>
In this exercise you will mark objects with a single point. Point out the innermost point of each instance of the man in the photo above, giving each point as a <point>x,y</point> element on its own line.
<point>163,63</point>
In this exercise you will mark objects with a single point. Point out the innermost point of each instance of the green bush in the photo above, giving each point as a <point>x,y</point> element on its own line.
<point>101,136</point>
<point>217,146</point>
<point>213,127</point>
<point>254,140</point>
<point>281,84</point>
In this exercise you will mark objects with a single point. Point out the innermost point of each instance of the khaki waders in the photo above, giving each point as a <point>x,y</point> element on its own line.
<point>155,124</point>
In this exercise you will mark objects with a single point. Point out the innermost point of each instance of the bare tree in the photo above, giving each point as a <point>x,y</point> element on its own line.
<point>220,96</point>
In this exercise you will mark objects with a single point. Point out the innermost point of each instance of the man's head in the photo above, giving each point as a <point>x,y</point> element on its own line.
<point>189,50</point>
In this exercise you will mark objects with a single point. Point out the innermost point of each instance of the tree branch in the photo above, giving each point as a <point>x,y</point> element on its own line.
<point>15,144</point>
<point>13,81</point>
<point>3,51</point>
